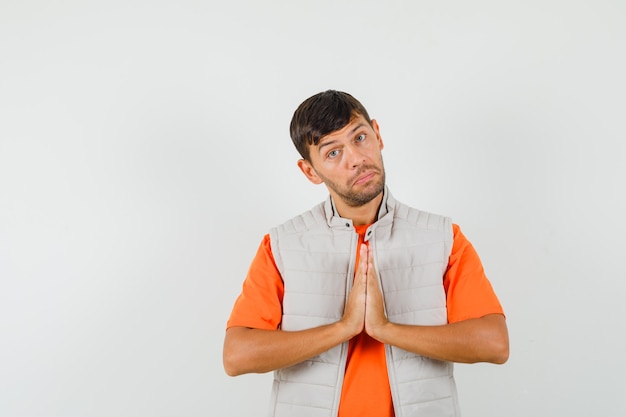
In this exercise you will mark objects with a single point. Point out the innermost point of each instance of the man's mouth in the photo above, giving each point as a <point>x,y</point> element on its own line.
<point>364,177</point>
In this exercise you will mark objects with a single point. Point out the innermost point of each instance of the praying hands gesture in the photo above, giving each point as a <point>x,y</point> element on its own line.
<point>365,306</point>
<point>483,339</point>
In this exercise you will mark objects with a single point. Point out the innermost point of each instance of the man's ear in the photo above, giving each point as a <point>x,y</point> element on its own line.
<point>308,171</point>
<point>377,130</point>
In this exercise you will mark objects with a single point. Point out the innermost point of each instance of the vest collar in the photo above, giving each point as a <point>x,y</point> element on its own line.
<point>385,212</point>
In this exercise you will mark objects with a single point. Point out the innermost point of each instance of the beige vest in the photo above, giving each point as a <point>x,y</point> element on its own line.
<point>315,254</point>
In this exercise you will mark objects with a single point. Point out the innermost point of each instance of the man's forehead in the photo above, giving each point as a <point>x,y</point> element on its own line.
<point>355,123</point>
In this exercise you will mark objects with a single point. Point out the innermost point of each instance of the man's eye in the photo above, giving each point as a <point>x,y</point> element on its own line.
<point>360,138</point>
<point>333,154</point>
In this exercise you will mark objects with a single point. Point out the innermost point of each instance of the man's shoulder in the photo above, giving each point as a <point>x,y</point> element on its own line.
<point>416,217</point>
<point>304,221</point>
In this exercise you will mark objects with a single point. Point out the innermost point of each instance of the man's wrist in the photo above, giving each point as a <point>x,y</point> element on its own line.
<point>382,332</point>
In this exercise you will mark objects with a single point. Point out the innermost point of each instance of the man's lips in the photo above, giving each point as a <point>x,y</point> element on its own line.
<point>364,177</point>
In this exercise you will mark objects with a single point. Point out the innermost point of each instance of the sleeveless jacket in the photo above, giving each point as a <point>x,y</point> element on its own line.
<point>315,254</point>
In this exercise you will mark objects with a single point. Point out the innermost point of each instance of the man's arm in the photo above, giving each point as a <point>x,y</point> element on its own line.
<point>249,350</point>
<point>483,339</point>
<point>256,350</point>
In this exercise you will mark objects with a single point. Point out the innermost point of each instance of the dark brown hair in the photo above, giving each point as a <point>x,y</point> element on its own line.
<point>321,115</point>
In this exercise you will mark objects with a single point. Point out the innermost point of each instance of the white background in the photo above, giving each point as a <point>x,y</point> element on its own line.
<point>144,152</point>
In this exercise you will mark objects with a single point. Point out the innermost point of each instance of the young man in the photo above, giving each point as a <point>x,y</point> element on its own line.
<point>362,304</point>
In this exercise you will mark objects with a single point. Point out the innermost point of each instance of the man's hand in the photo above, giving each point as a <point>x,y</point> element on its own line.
<point>375,318</point>
<point>354,315</point>
<point>365,307</point>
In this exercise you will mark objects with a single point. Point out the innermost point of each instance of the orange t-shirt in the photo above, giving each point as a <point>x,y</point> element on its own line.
<point>366,388</point>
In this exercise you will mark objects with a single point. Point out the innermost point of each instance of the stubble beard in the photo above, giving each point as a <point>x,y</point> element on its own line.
<point>359,198</point>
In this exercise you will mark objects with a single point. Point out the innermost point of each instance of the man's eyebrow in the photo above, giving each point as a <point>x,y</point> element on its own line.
<point>327,143</point>
<point>357,127</point>
<point>330,142</point>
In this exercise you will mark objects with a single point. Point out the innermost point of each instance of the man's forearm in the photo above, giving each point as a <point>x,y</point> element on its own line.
<point>483,339</point>
<point>257,351</point>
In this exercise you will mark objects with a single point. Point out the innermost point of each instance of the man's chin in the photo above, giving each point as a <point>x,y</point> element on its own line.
<point>359,198</point>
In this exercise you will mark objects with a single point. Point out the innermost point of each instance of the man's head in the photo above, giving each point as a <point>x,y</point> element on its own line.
<point>340,147</point>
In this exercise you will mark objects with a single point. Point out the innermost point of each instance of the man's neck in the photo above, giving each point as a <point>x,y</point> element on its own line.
<point>361,215</point>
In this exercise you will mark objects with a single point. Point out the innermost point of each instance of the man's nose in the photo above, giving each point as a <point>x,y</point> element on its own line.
<point>354,156</point>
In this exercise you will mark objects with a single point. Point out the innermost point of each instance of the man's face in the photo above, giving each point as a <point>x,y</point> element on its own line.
<point>349,162</point>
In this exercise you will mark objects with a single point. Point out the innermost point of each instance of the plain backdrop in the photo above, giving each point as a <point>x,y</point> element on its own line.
<point>144,152</point>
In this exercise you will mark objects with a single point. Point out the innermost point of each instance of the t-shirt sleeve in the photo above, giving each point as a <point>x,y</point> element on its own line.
<point>259,304</point>
<point>469,293</point>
